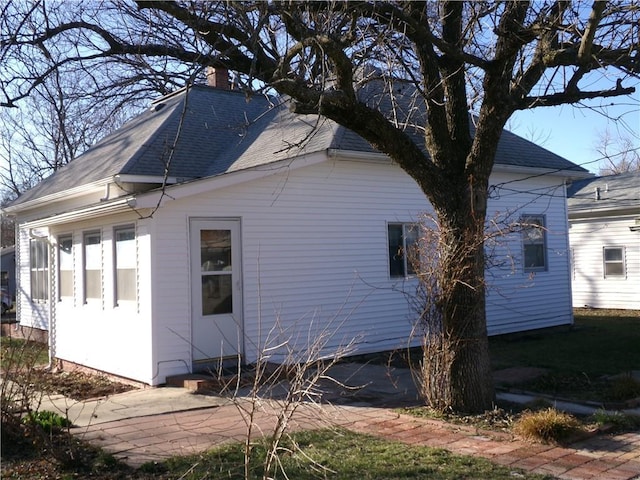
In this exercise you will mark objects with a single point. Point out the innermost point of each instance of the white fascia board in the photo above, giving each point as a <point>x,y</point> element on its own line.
<point>567,174</point>
<point>120,205</point>
<point>620,213</point>
<point>207,184</point>
<point>63,195</point>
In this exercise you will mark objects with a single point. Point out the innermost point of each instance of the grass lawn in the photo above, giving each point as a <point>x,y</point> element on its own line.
<point>601,343</point>
<point>331,454</point>
<point>16,352</point>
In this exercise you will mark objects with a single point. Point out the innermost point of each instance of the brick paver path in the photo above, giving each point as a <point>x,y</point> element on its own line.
<point>157,437</point>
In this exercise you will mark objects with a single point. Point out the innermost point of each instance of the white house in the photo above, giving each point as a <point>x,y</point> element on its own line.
<point>272,227</point>
<point>604,231</point>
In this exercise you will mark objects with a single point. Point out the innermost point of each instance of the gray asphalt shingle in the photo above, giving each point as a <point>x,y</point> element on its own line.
<point>224,131</point>
<point>613,191</point>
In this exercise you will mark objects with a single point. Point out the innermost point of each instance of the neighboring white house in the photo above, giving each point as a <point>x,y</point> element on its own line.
<point>604,231</point>
<point>272,227</point>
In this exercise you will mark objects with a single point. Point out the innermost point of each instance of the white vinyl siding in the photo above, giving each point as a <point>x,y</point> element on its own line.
<point>593,286</point>
<point>316,259</point>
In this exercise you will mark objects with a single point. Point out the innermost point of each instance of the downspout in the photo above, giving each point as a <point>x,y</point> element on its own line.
<point>50,291</point>
<point>570,265</point>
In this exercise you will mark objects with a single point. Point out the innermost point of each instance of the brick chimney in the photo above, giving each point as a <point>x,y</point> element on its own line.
<point>218,77</point>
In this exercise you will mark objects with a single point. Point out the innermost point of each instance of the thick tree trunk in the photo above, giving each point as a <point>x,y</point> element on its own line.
<point>456,345</point>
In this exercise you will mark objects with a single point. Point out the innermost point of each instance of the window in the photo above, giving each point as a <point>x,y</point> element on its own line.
<point>65,266</point>
<point>92,266</point>
<point>534,241</point>
<point>403,238</point>
<point>613,258</point>
<point>125,262</point>
<point>39,265</point>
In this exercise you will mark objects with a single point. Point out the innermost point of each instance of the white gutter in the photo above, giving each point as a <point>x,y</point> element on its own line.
<point>125,204</point>
<point>64,195</point>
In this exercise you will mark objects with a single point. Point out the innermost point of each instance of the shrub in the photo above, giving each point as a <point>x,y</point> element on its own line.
<point>623,388</point>
<point>548,425</point>
<point>50,422</point>
<point>618,420</point>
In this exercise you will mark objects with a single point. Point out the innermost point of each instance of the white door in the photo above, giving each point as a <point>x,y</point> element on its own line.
<point>216,290</point>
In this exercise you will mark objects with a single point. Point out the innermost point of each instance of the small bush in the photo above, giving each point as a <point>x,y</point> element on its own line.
<point>621,422</point>
<point>548,426</point>
<point>623,388</point>
<point>48,421</point>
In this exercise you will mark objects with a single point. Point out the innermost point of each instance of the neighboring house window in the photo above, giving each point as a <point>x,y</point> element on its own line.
<point>403,238</point>
<point>534,242</point>
<point>613,258</point>
<point>92,266</point>
<point>39,264</point>
<point>4,279</point>
<point>125,264</point>
<point>65,266</point>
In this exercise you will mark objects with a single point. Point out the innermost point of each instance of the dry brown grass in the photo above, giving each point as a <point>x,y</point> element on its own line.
<point>548,426</point>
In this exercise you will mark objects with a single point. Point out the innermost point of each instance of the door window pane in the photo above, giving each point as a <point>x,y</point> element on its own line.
<point>215,250</point>
<point>217,295</point>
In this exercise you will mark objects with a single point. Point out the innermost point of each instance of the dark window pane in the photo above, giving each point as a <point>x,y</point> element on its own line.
<point>534,256</point>
<point>217,295</point>
<point>614,269</point>
<point>613,254</point>
<point>396,260</point>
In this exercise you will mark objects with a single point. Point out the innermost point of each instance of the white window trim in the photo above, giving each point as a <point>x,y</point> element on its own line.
<point>405,265</point>
<point>623,275</point>
<point>526,221</point>
<point>91,300</point>
<point>33,269</point>
<point>117,302</point>
<point>65,236</point>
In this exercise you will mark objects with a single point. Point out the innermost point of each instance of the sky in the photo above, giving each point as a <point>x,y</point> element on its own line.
<point>573,132</point>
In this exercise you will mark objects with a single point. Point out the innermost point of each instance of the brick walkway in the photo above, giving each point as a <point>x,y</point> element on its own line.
<point>157,437</point>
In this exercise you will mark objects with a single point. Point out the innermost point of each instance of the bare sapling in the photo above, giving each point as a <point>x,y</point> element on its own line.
<point>293,363</point>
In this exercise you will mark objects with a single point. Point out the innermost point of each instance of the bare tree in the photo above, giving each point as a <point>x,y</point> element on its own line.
<point>432,64</point>
<point>620,154</point>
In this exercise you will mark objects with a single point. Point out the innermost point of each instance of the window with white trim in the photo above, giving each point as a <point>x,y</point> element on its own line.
<point>534,243</point>
<point>613,259</point>
<point>403,239</point>
<point>125,264</point>
<point>65,266</point>
<point>92,243</point>
<point>39,267</point>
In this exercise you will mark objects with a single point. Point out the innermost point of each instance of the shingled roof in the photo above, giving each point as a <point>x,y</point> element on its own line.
<point>611,192</point>
<point>223,131</point>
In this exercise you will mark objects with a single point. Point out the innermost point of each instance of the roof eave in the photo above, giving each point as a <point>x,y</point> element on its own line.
<point>120,205</point>
<point>57,196</point>
<point>569,174</point>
